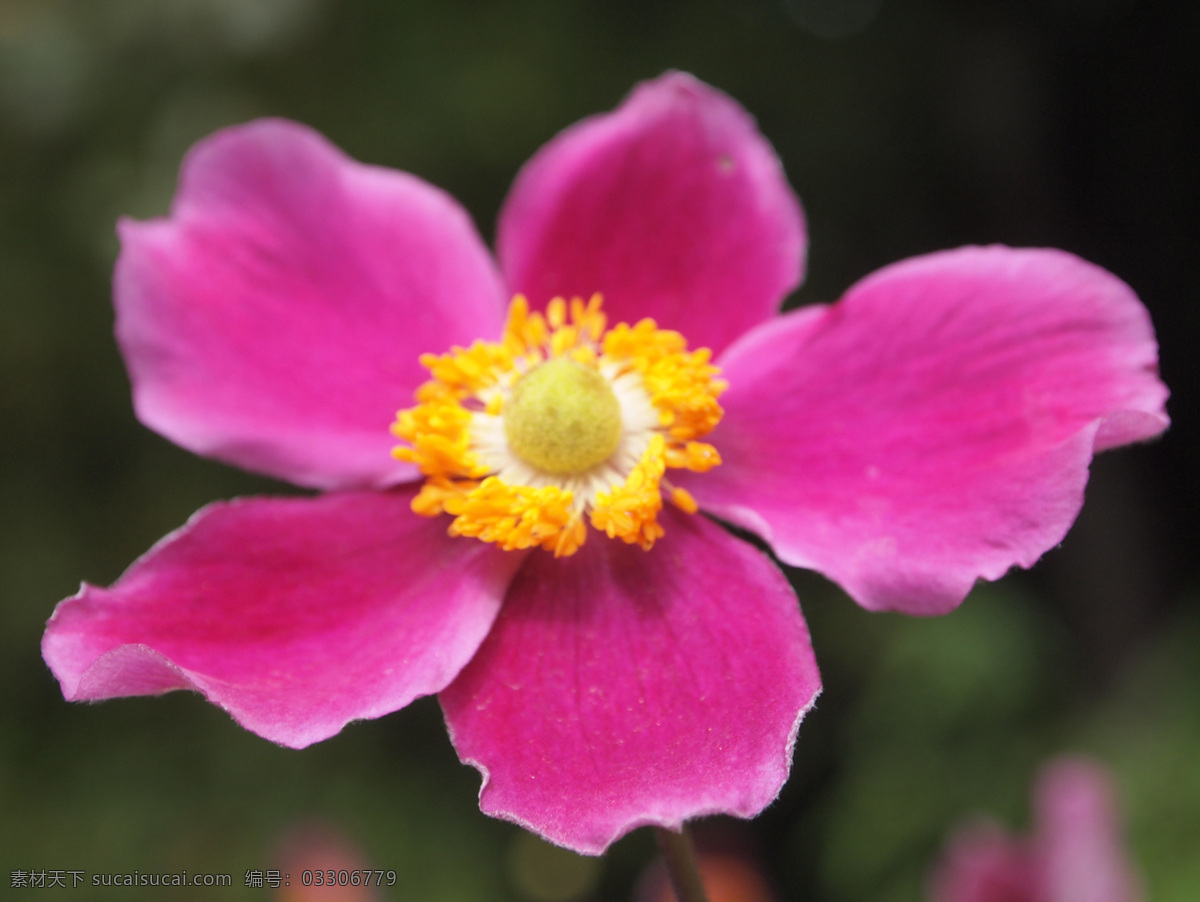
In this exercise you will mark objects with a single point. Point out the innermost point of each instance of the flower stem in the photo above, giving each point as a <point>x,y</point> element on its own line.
<point>680,858</point>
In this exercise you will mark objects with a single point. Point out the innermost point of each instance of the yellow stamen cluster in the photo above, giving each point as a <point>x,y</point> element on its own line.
<point>681,385</point>
<point>518,516</point>
<point>630,511</point>
<point>467,394</point>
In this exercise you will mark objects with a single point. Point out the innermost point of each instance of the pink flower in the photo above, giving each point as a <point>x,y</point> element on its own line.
<point>1075,854</point>
<point>322,865</point>
<point>933,427</point>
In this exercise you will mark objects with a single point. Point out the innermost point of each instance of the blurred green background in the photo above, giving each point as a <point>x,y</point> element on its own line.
<point>904,126</point>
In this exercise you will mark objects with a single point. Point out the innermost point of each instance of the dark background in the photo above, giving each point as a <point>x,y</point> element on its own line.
<point>905,127</point>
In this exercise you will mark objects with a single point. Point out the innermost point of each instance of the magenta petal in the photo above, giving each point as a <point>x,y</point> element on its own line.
<point>294,615</point>
<point>274,321</point>
<point>937,424</point>
<point>1079,836</point>
<point>673,207</point>
<point>620,688</point>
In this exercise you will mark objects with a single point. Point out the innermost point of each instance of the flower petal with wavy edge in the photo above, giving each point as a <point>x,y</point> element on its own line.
<point>620,688</point>
<point>294,615</point>
<point>935,425</point>
<point>673,207</point>
<point>274,320</point>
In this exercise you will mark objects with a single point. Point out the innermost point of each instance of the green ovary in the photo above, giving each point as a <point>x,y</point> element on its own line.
<point>562,418</point>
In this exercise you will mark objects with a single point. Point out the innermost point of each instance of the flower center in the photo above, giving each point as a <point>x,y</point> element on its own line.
<point>560,423</point>
<point>562,418</point>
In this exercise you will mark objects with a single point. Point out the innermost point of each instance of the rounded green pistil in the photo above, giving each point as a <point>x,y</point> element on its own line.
<point>562,418</point>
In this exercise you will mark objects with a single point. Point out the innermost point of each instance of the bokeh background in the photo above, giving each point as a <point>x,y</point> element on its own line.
<point>905,126</point>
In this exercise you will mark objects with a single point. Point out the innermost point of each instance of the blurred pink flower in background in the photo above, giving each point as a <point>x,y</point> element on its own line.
<point>1076,852</point>
<point>320,864</point>
<point>729,875</point>
<point>933,427</point>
